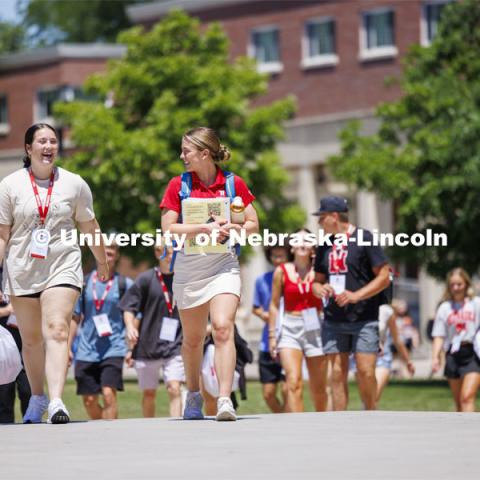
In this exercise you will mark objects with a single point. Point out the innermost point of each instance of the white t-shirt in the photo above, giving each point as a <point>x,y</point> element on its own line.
<point>462,320</point>
<point>71,201</point>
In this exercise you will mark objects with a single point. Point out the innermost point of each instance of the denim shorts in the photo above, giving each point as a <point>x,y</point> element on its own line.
<point>350,337</point>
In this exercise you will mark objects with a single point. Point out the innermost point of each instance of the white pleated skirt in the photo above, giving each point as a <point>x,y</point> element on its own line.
<point>198,278</point>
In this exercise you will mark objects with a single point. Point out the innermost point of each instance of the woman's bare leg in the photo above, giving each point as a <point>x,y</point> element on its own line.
<point>194,326</point>
<point>27,311</point>
<point>57,307</point>
<point>223,308</point>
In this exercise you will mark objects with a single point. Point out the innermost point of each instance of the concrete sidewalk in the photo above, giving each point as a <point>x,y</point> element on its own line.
<point>329,446</point>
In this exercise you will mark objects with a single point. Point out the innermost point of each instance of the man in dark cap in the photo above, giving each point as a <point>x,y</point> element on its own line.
<point>349,276</point>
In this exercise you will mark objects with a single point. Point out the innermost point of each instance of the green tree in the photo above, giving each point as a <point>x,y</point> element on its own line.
<point>426,154</point>
<point>52,21</point>
<point>12,37</point>
<point>175,77</point>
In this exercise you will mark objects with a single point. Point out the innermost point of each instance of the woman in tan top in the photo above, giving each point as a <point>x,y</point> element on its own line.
<point>42,275</point>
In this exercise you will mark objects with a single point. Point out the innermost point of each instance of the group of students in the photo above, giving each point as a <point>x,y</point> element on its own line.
<point>322,307</point>
<point>44,281</point>
<point>354,326</point>
<point>327,301</point>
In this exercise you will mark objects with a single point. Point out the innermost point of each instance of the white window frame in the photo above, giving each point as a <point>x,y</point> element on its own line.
<point>5,126</point>
<point>265,67</point>
<point>424,40</point>
<point>377,53</point>
<point>323,60</point>
<point>67,94</point>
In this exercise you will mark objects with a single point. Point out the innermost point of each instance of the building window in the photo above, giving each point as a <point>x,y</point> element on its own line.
<point>377,35</point>
<point>431,16</point>
<point>4,124</point>
<point>265,48</point>
<point>319,43</point>
<point>48,97</point>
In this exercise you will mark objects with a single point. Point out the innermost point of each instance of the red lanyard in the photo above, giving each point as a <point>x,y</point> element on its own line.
<point>335,250</point>
<point>99,303</point>
<point>166,293</point>
<point>300,283</point>
<point>43,211</point>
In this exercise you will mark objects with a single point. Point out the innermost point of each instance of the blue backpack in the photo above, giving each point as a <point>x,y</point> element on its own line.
<point>186,190</point>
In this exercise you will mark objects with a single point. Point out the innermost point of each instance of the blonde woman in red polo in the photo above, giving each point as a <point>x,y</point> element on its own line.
<point>206,285</point>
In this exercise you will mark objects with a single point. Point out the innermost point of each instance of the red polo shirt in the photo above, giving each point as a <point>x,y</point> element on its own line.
<point>171,198</point>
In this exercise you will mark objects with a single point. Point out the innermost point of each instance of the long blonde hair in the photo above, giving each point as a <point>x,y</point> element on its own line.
<point>447,295</point>
<point>205,138</point>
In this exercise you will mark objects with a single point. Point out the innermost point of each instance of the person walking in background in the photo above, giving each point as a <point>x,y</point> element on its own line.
<point>456,330</point>
<point>21,385</point>
<point>101,347</point>
<point>271,375</point>
<point>43,276</point>
<point>206,285</point>
<point>349,277</point>
<point>389,337</point>
<point>155,336</point>
<point>300,334</point>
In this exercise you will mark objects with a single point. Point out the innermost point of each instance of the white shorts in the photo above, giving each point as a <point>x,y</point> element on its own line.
<point>293,335</point>
<point>148,371</point>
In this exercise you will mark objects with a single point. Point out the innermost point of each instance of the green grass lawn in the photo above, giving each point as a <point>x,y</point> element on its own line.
<point>421,395</point>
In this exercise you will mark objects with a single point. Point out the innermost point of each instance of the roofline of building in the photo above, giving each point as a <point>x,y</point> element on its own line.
<point>153,10</point>
<point>59,52</point>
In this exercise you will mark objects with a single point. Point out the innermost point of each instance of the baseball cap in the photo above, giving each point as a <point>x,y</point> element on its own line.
<point>332,204</point>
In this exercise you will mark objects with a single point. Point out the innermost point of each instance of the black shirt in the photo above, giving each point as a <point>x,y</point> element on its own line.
<point>356,263</point>
<point>146,296</point>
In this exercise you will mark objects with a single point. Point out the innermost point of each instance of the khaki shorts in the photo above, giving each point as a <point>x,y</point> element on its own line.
<point>148,371</point>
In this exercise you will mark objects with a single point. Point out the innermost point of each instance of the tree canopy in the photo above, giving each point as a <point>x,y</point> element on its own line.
<point>175,77</point>
<point>426,155</point>
<point>12,37</point>
<point>51,21</point>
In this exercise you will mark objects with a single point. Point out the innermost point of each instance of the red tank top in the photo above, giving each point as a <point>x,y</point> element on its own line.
<point>298,295</point>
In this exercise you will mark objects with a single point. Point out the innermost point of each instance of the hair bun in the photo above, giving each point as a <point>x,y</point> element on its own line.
<point>223,154</point>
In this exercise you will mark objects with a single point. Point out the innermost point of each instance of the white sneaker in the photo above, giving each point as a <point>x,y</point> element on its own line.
<point>57,412</point>
<point>225,410</point>
<point>37,406</point>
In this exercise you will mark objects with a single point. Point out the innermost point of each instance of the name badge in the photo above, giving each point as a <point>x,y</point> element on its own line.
<point>456,342</point>
<point>39,243</point>
<point>338,283</point>
<point>102,324</point>
<point>310,319</point>
<point>168,332</point>
<point>12,320</point>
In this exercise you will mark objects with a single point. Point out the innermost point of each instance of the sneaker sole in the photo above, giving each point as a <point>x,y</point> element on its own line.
<point>194,418</point>
<point>226,417</point>
<point>59,417</point>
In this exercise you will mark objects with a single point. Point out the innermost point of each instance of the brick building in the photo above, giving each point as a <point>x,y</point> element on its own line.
<point>30,83</point>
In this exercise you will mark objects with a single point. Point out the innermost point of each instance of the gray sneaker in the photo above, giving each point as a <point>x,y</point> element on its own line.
<point>37,406</point>
<point>225,410</point>
<point>193,406</point>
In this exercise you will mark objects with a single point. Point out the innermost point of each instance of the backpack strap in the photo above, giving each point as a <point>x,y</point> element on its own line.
<point>184,193</point>
<point>229,184</point>
<point>231,193</point>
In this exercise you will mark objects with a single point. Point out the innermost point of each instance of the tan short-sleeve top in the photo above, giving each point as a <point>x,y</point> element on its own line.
<point>71,201</point>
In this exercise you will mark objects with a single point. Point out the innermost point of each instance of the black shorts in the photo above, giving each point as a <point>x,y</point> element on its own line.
<point>270,370</point>
<point>460,363</point>
<point>64,285</point>
<point>92,376</point>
